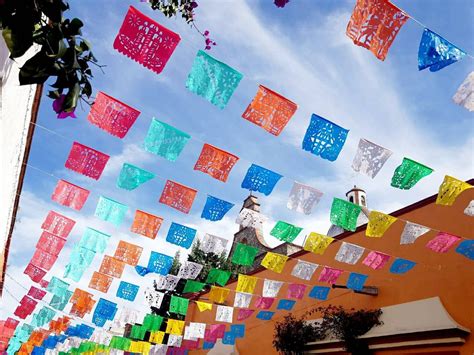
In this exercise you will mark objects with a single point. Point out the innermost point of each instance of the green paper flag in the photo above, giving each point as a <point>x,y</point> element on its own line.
<point>120,343</point>
<point>218,276</point>
<point>193,286</point>
<point>131,177</point>
<point>152,322</point>
<point>285,231</point>
<point>344,214</point>
<point>179,305</point>
<point>409,173</point>
<point>138,332</point>
<point>244,254</point>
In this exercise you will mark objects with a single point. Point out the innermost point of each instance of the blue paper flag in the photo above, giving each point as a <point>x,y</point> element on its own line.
<point>238,330</point>
<point>127,291</point>
<point>435,52</point>
<point>180,235</point>
<point>466,248</point>
<point>324,138</point>
<point>215,208</point>
<point>265,315</point>
<point>82,331</point>
<point>131,177</point>
<point>50,342</point>
<point>229,338</point>
<point>356,281</point>
<point>319,293</point>
<point>104,311</point>
<point>401,266</point>
<point>110,211</point>
<point>260,179</point>
<point>286,305</point>
<point>207,345</point>
<point>159,263</point>
<point>38,350</point>
<point>142,270</point>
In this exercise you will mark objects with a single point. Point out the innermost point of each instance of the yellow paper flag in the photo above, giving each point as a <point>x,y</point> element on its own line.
<point>204,306</point>
<point>246,283</point>
<point>274,261</point>
<point>140,347</point>
<point>157,337</point>
<point>378,223</point>
<point>175,326</point>
<point>450,189</point>
<point>218,294</point>
<point>317,243</point>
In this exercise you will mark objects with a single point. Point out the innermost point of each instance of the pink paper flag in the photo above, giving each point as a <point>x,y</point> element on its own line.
<point>34,272</point>
<point>50,243</point>
<point>217,330</point>
<point>86,161</point>
<point>58,224</point>
<point>296,291</point>
<point>36,293</point>
<point>442,242</point>
<point>244,313</point>
<point>70,195</point>
<point>43,259</point>
<point>329,275</point>
<point>376,260</point>
<point>264,302</point>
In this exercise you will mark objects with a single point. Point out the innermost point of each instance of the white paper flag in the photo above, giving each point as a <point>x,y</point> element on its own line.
<point>304,270</point>
<point>303,198</point>
<point>100,336</point>
<point>159,349</point>
<point>213,244</point>
<point>370,158</point>
<point>167,282</point>
<point>197,330</point>
<point>271,288</point>
<point>469,211</point>
<point>412,232</point>
<point>189,270</point>
<point>187,334</point>
<point>464,95</point>
<point>224,314</point>
<point>175,340</point>
<point>242,300</point>
<point>127,315</point>
<point>154,298</point>
<point>349,253</point>
<point>250,218</point>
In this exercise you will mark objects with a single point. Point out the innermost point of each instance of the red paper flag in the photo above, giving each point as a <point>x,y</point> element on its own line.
<point>374,24</point>
<point>86,161</point>
<point>145,41</point>
<point>112,115</point>
<point>58,224</point>
<point>43,283</point>
<point>216,162</point>
<point>70,195</point>
<point>50,243</point>
<point>26,307</point>
<point>111,266</point>
<point>36,293</point>
<point>11,323</point>
<point>128,253</point>
<point>270,110</point>
<point>100,282</point>
<point>178,196</point>
<point>34,272</point>
<point>146,224</point>
<point>43,259</point>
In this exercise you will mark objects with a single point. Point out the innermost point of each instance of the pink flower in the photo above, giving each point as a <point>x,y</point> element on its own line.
<point>58,108</point>
<point>281,3</point>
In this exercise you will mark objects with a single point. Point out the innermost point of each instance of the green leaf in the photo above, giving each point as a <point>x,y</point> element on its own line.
<point>70,102</point>
<point>17,43</point>
<point>87,89</point>
<point>75,27</point>
<point>53,94</point>
<point>36,69</point>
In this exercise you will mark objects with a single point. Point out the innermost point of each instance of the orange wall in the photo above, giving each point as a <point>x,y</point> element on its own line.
<point>449,276</point>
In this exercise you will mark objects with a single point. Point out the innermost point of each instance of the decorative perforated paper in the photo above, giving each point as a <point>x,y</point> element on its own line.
<point>411,232</point>
<point>317,243</point>
<point>296,291</point>
<point>79,260</point>
<point>435,52</point>
<point>34,272</point>
<point>189,270</point>
<point>50,243</point>
<point>215,162</point>
<point>265,315</point>
<point>374,25</point>
<point>270,110</point>
<point>464,95</point>
<point>127,291</point>
<point>128,253</point>
<point>344,214</point>
<point>303,198</point>
<point>26,307</point>
<point>244,313</point>
<point>469,210</point>
<point>285,231</point>
<point>319,292</point>
<point>218,294</point>
<point>370,158</point>
<point>401,266</point>
<point>60,302</point>
<point>132,176</point>
<point>104,311</point>
<point>409,173</point>
<point>82,303</point>
<point>110,211</point>
<point>212,79</point>
<point>250,218</point>
<point>36,293</point>
<point>378,224</point>
<point>146,224</point>
<point>329,275</point>
<point>154,298</point>
<point>376,260</point>
<point>260,179</point>
<point>56,286</point>
<point>178,196</point>
<point>324,138</point>
<point>165,140</point>
<point>203,306</point>
<point>349,253</point>
<point>94,240</point>
<point>180,235</point>
<point>218,276</point>
<point>179,305</point>
<point>246,283</point>
<point>86,161</point>
<point>44,315</point>
<point>216,331</point>
<point>112,266</point>
<point>442,242</point>
<point>70,195</point>
<point>244,254</point>
<point>215,208</point>
<point>100,282</point>
<point>43,259</point>
<point>242,300</point>
<point>58,224</point>
<point>356,281</point>
<point>275,262</point>
<point>466,248</point>
<point>168,282</point>
<point>213,244</point>
<point>196,330</point>
<point>192,286</point>
<point>271,288</point>
<point>450,189</point>
<point>264,302</point>
<point>304,270</point>
<point>145,41</point>
<point>286,305</point>
<point>224,314</point>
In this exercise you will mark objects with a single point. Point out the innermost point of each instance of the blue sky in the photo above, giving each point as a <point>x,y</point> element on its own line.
<point>300,51</point>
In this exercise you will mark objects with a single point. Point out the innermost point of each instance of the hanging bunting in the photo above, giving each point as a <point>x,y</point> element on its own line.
<point>26,307</point>
<point>146,224</point>
<point>100,282</point>
<point>70,195</point>
<point>275,262</point>
<point>401,266</point>
<point>154,298</point>
<point>110,211</point>
<point>218,276</point>
<point>152,322</point>
<point>215,208</point>
<point>349,253</point>
<point>329,275</point>
<point>378,224</point>
<point>145,41</point>
<point>131,177</point>
<point>319,292</point>
<point>128,253</point>
<point>270,110</point>
<point>409,173</point>
<point>112,266</point>
<point>285,231</point>
<point>192,286</point>
<point>303,198</point>
<point>286,305</point>
<point>197,330</point>
<point>164,140</point>
<point>79,260</point>
<point>271,288</point>
<point>82,303</point>
<point>178,196</point>
<point>43,259</point>
<point>212,79</point>
<point>168,282</point>
<point>317,243</point>
<point>250,218</point>
<point>104,311</point>
<point>94,240</point>
<point>374,24</point>
<point>435,52</point>
<point>207,345</point>
<point>36,293</point>
<point>189,270</point>
<point>345,214</point>
<point>175,327</point>
<point>224,314</point>
<point>442,242</point>
<point>86,161</point>
<point>411,232</point>
<point>376,260</point>
<point>304,270</point>
<point>296,291</point>
<point>58,224</point>
<point>218,294</point>
<point>244,254</point>
<point>215,162</point>
<point>179,305</point>
<point>265,315</point>
<point>264,302</point>
<point>56,286</point>
<point>466,248</point>
<point>175,340</point>
<point>244,313</point>
<point>246,283</point>
<point>356,281</point>
<point>228,339</point>
<point>159,263</point>
<point>260,179</point>
<point>34,272</point>
<point>370,158</point>
<point>324,138</point>
<point>464,95</point>
<point>215,332</point>
<point>127,291</point>
<point>450,189</point>
<point>44,315</point>
<point>213,244</point>
<point>180,235</point>
<point>204,306</point>
<point>469,210</point>
<point>50,243</point>
<point>238,330</point>
<point>242,300</point>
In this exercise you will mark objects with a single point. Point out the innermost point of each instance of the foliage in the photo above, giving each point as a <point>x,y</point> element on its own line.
<point>291,335</point>
<point>176,264</point>
<point>63,52</point>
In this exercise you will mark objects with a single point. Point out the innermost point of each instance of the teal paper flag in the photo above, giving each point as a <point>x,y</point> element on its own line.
<point>94,240</point>
<point>131,177</point>
<point>165,140</point>
<point>110,211</point>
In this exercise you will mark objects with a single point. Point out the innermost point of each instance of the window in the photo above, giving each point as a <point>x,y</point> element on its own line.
<point>362,200</point>
<point>351,199</point>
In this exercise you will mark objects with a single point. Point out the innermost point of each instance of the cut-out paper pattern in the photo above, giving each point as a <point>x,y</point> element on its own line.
<point>34,272</point>
<point>224,314</point>
<point>264,302</point>
<point>180,235</point>
<point>104,311</point>
<point>464,95</point>
<point>376,260</point>
<point>324,138</point>
<point>246,283</point>
<point>145,41</point>
<point>178,196</point>
<point>304,270</point>
<point>435,52</point>
<point>50,243</point>
<point>285,231</point>
<point>215,208</point>
<point>244,254</point>
<point>94,240</point>
<point>193,286</point>
<point>218,294</point>
<point>270,110</point>
<point>238,330</point>
<point>26,307</point>
<point>179,305</point>
<point>275,262</point>
<point>401,266</point>
<point>164,140</point>
<point>244,313</point>
<point>58,224</point>
<point>110,211</point>
<point>128,253</point>
<point>127,291</point>
<point>411,232</point>
<point>265,315</point>
<point>469,210</point>
<point>36,293</point>
<point>271,288</point>
<point>203,306</point>
<point>378,224</point>
<point>319,293</point>
<point>242,300</point>
<point>228,339</point>
<point>154,298</point>
<point>175,340</point>
<point>43,259</point>
<point>86,161</point>
<point>216,331</point>
<point>349,253</point>
<point>215,162</point>
<point>286,305</point>
<point>374,25</point>
<point>370,158</point>
<point>317,243</point>
<point>79,260</point>
<point>44,315</point>
<point>409,173</point>
<point>296,291</point>
<point>56,286</point>
<point>260,179</point>
<point>450,189</point>
<point>442,242</point>
<point>329,275</point>
<point>189,270</point>
<point>196,330</point>
<point>82,303</point>
<point>212,79</point>
<point>356,281</point>
<point>160,263</point>
<point>345,214</point>
<point>112,266</point>
<point>70,195</point>
<point>132,176</point>
<point>213,244</point>
<point>218,276</point>
<point>146,224</point>
<point>168,282</point>
<point>250,218</point>
<point>100,282</point>
<point>466,248</point>
<point>303,198</point>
